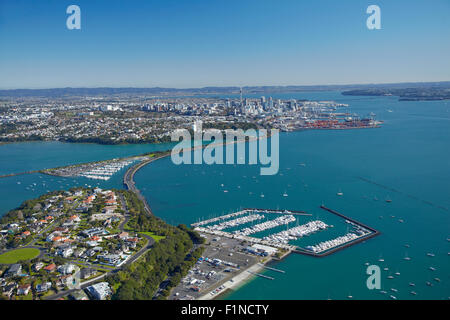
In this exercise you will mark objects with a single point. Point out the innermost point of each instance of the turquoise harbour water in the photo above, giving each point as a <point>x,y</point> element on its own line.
<point>410,154</point>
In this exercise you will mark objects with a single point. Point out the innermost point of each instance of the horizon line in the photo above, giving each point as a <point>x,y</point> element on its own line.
<point>229,86</point>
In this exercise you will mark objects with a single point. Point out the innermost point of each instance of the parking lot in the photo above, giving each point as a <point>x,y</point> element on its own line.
<point>223,259</point>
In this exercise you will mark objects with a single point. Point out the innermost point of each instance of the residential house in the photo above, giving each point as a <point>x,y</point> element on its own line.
<point>43,287</point>
<point>50,268</point>
<point>99,291</point>
<point>38,266</point>
<point>8,290</point>
<point>24,289</point>
<point>87,273</point>
<point>65,253</point>
<point>14,270</point>
<point>66,268</point>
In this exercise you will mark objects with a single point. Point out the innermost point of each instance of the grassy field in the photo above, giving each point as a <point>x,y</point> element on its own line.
<point>154,236</point>
<point>18,255</point>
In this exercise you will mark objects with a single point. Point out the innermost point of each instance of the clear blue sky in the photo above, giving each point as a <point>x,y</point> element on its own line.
<point>194,43</point>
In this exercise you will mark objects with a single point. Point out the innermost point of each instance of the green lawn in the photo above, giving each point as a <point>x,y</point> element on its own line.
<point>154,236</point>
<point>18,255</point>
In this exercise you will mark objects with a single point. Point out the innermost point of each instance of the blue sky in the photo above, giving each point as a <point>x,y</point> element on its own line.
<point>195,43</point>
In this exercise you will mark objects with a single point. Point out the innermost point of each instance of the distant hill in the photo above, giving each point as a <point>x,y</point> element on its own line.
<point>412,92</point>
<point>352,89</point>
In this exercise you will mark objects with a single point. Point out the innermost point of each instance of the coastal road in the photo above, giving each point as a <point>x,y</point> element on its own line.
<point>128,180</point>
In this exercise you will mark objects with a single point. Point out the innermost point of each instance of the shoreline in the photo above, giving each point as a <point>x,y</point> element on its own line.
<point>239,280</point>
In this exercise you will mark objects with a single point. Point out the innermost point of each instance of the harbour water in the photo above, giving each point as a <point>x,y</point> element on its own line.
<point>30,156</point>
<point>405,161</point>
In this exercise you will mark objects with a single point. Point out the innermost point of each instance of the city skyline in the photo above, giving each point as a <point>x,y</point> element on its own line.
<point>179,44</point>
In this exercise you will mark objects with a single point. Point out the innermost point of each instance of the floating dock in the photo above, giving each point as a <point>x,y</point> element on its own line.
<point>261,275</point>
<point>273,269</point>
<point>280,211</point>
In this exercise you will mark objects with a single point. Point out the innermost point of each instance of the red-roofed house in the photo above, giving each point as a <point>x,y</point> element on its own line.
<point>75,218</point>
<point>50,268</point>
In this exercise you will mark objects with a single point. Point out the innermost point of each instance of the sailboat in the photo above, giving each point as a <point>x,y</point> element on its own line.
<point>285,194</point>
<point>406,258</point>
<point>340,193</point>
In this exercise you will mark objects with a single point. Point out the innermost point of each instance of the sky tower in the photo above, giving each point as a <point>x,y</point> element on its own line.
<point>240,91</point>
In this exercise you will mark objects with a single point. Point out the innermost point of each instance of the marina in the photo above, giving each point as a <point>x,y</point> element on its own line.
<point>282,239</point>
<point>298,232</point>
<point>102,170</point>
<point>280,221</point>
